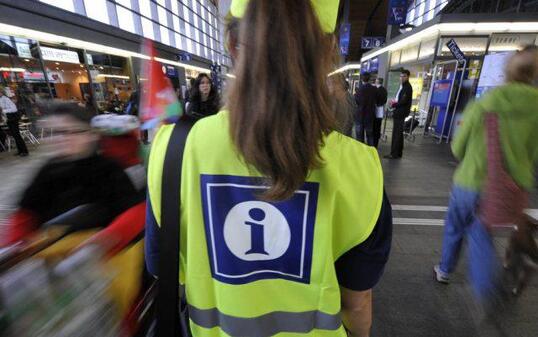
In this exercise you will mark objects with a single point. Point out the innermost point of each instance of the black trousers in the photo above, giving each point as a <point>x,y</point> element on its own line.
<point>365,132</point>
<point>377,130</point>
<point>13,125</point>
<point>397,137</point>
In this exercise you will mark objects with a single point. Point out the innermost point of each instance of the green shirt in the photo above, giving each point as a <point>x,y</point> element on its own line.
<point>517,108</point>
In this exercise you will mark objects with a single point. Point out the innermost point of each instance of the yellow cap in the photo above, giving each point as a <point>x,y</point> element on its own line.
<point>327,11</point>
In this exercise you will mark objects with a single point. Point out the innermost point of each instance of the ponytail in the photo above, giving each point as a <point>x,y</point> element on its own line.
<point>279,103</point>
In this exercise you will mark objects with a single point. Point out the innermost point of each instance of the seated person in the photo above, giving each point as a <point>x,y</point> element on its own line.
<point>76,175</point>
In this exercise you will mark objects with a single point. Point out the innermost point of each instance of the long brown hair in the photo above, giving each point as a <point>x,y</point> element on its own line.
<point>279,103</point>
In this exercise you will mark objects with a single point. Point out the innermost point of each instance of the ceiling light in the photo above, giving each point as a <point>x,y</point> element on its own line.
<point>344,68</point>
<point>15,70</point>
<point>27,60</point>
<point>183,65</point>
<point>114,76</point>
<point>57,63</point>
<point>81,66</point>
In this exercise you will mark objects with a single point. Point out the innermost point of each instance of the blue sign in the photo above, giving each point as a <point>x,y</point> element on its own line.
<point>171,71</point>
<point>370,42</point>
<point>374,65</point>
<point>184,56</point>
<point>397,12</point>
<point>456,51</point>
<point>249,239</point>
<point>345,31</point>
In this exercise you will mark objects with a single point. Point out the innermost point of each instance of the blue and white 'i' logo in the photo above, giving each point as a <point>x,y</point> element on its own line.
<point>249,239</point>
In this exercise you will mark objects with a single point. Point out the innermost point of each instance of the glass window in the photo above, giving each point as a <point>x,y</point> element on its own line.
<point>186,14</point>
<point>125,19</point>
<point>21,74</point>
<point>509,42</point>
<point>67,5</point>
<point>470,46</point>
<point>163,17</point>
<point>112,85</point>
<point>189,46</point>
<point>147,28</point>
<point>97,10</point>
<point>188,30</point>
<point>165,38</point>
<point>175,8</point>
<point>145,8</point>
<point>125,3</point>
<point>427,49</point>
<point>179,45</point>
<point>162,2</point>
<point>176,24</point>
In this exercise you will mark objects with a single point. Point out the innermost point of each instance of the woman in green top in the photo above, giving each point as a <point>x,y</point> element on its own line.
<point>515,104</point>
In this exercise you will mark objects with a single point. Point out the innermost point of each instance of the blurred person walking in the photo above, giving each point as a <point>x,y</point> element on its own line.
<point>278,218</point>
<point>366,98</point>
<point>380,109</point>
<point>204,100</point>
<point>9,109</point>
<point>514,106</point>
<point>402,108</point>
<point>76,175</point>
<point>344,104</point>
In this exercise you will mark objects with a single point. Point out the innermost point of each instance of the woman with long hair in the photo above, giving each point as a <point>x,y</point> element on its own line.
<point>284,225</point>
<point>204,100</point>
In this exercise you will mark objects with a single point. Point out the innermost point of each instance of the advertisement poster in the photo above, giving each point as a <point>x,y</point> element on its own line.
<point>345,31</point>
<point>397,12</point>
<point>492,74</point>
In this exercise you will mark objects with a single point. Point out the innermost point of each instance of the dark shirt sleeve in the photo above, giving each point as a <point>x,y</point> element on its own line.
<point>151,242</point>
<point>361,267</point>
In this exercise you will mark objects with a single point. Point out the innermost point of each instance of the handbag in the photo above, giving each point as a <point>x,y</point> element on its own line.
<point>502,201</point>
<point>171,307</point>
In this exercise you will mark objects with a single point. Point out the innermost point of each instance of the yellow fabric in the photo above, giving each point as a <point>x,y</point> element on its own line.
<point>125,267</point>
<point>327,11</point>
<point>349,203</point>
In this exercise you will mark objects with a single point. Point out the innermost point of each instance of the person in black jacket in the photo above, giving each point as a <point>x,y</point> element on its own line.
<point>204,100</point>
<point>380,109</point>
<point>402,109</point>
<point>366,98</point>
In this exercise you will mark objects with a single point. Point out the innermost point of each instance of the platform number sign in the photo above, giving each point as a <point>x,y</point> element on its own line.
<point>370,42</point>
<point>249,239</point>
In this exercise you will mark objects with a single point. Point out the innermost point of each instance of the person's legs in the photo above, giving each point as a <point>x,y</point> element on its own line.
<point>377,130</point>
<point>13,124</point>
<point>369,131</point>
<point>359,131</point>
<point>458,218</point>
<point>397,138</point>
<point>484,266</point>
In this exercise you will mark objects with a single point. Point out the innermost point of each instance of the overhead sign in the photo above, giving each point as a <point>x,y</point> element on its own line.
<point>345,31</point>
<point>397,12</point>
<point>60,55</point>
<point>169,71</point>
<point>184,56</point>
<point>456,51</point>
<point>370,42</point>
<point>23,50</point>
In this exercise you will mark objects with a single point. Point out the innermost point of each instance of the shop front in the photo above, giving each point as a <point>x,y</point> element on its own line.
<point>443,86</point>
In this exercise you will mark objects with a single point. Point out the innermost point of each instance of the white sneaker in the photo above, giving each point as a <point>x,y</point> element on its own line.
<point>440,276</point>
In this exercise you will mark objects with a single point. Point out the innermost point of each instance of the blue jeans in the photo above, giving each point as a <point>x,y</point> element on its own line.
<point>462,221</point>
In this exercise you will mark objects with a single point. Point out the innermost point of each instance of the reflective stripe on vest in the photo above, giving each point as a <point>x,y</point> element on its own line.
<point>267,325</point>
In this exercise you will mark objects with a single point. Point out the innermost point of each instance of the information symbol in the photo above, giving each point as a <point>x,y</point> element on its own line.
<point>256,231</point>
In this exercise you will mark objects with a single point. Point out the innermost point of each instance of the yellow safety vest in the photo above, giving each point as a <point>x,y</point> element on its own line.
<point>259,269</point>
